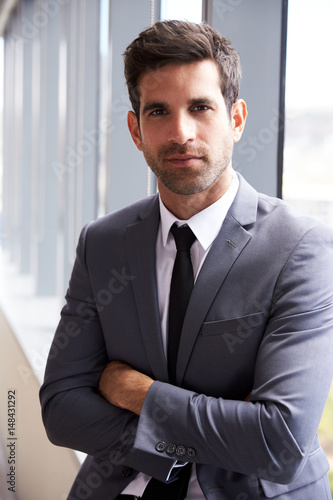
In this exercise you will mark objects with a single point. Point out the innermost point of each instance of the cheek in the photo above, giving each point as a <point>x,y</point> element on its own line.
<point>151,140</point>
<point>218,138</point>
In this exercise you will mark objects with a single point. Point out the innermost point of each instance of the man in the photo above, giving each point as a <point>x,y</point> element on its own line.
<point>230,410</point>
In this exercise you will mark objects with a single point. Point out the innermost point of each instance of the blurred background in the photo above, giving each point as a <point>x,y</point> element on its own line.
<point>66,158</point>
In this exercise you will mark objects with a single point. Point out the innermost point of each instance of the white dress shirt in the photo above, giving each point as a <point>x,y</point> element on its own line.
<point>206,226</point>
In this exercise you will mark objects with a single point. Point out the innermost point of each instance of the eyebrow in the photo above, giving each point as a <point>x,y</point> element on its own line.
<point>149,106</point>
<point>202,100</point>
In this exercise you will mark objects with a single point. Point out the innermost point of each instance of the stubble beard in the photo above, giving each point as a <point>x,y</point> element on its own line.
<point>188,180</point>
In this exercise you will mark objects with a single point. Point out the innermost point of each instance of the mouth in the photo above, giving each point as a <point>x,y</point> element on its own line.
<point>184,160</point>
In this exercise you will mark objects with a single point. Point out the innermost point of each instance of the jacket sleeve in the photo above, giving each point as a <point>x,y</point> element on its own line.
<point>74,414</point>
<point>276,430</point>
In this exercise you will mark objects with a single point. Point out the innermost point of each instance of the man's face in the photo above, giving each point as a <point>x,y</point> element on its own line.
<point>185,132</point>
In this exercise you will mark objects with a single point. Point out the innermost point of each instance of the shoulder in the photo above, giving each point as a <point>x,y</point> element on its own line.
<point>301,240</point>
<point>116,222</point>
<point>274,221</point>
<point>284,218</point>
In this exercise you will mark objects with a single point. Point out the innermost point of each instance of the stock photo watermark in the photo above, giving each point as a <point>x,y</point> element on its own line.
<point>86,310</point>
<point>224,7</point>
<point>30,27</point>
<point>90,139</point>
<point>11,444</point>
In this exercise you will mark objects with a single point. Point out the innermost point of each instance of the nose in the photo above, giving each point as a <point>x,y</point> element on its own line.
<point>181,128</point>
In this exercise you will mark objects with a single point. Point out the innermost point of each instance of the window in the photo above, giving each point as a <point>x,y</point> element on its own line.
<point>104,105</point>
<point>1,125</point>
<point>308,173</point>
<point>191,10</point>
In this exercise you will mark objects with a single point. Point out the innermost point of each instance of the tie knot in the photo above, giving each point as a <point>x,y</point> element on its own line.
<point>183,235</point>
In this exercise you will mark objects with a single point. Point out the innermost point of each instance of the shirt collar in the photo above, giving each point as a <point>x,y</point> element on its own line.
<point>205,224</point>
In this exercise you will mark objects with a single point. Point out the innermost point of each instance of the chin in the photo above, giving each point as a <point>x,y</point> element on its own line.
<point>186,190</point>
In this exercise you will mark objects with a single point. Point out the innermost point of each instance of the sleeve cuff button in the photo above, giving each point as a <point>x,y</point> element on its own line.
<point>180,451</point>
<point>171,448</point>
<point>160,447</point>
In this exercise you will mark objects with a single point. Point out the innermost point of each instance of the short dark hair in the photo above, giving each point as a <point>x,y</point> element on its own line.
<point>181,42</point>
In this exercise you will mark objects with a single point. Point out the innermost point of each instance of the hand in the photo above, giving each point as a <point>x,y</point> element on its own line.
<point>248,397</point>
<point>123,386</point>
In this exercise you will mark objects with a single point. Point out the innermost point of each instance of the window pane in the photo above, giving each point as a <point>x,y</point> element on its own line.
<point>104,104</point>
<point>1,125</point>
<point>308,155</point>
<point>191,10</point>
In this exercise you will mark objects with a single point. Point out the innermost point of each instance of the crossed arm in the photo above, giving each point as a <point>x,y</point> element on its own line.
<point>123,386</point>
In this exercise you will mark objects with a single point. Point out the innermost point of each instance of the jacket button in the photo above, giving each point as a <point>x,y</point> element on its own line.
<point>180,450</point>
<point>161,446</point>
<point>191,452</point>
<point>126,471</point>
<point>171,448</point>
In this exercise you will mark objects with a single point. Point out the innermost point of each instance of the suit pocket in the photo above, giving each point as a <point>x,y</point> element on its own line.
<point>233,325</point>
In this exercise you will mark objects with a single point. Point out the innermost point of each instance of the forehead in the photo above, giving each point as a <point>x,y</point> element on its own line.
<point>180,80</point>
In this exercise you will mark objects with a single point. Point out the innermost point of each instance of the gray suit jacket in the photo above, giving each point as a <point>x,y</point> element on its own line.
<point>260,320</point>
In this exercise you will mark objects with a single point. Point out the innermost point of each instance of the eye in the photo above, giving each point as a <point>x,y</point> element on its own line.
<point>158,112</point>
<point>201,107</point>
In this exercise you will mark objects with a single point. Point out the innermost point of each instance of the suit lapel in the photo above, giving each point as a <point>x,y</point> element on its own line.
<point>140,251</point>
<point>228,245</point>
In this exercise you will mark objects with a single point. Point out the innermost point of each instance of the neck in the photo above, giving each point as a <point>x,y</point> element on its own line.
<point>186,206</point>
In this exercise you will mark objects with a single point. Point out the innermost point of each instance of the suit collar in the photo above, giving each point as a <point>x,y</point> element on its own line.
<point>205,224</point>
<point>245,205</point>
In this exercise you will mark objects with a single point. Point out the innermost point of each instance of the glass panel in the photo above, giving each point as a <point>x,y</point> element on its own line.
<point>104,105</point>
<point>191,10</point>
<point>308,155</point>
<point>1,126</point>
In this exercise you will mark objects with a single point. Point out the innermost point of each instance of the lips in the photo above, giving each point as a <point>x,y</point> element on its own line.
<point>183,159</point>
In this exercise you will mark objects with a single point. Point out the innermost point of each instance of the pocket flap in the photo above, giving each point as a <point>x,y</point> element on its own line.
<point>232,325</point>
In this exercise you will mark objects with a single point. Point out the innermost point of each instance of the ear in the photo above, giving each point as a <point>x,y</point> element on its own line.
<point>133,127</point>
<point>238,118</point>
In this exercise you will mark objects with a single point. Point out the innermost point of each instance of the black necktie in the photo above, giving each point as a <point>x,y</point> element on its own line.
<point>174,490</point>
<point>180,292</point>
